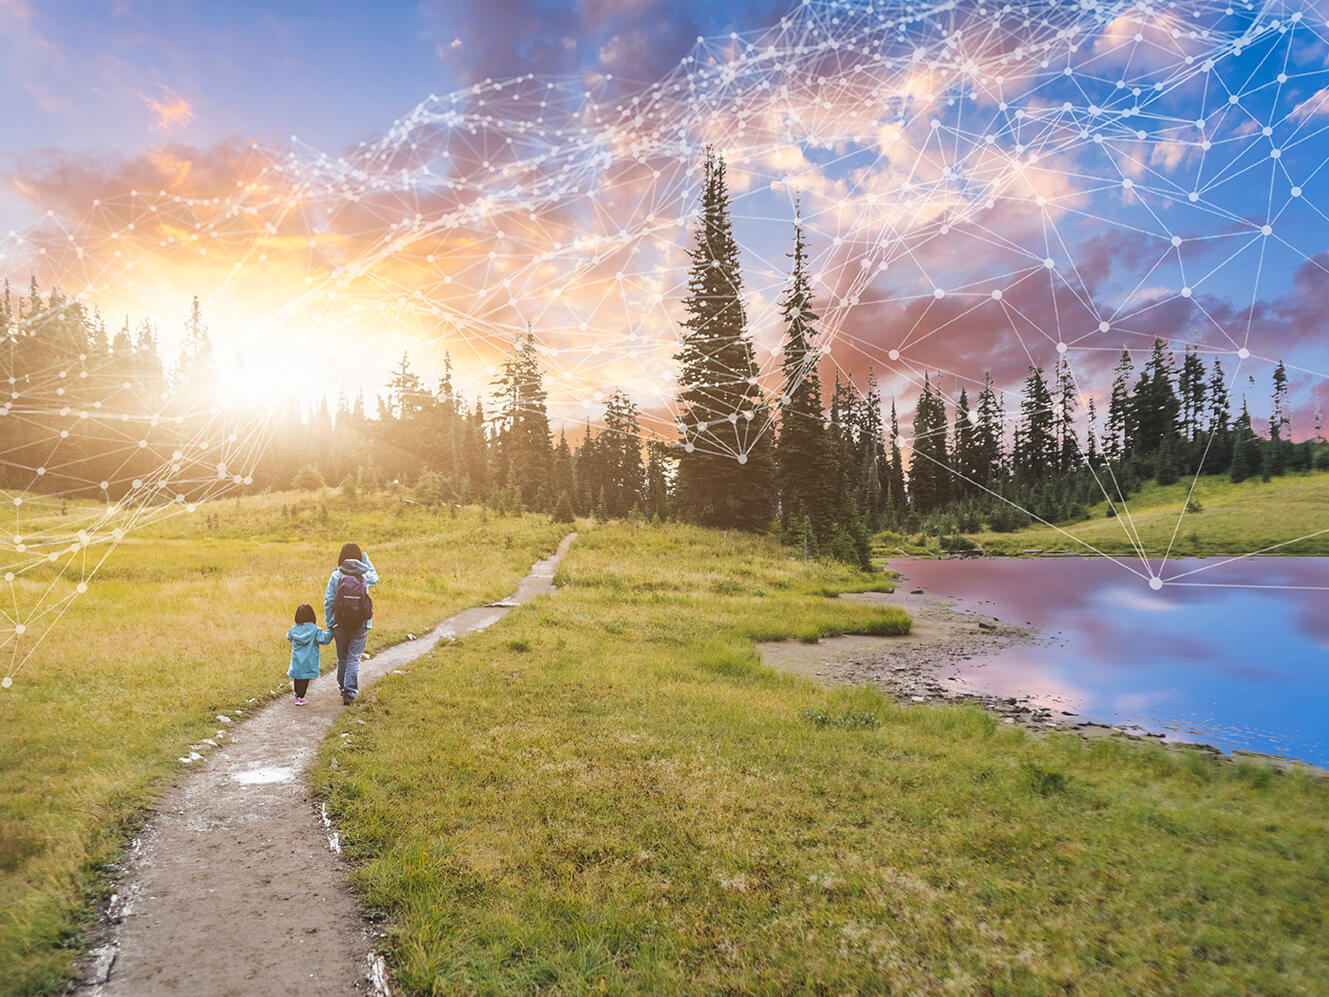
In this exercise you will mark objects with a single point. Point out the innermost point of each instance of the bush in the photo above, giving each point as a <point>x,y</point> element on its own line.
<point>1007,519</point>
<point>957,543</point>
<point>349,490</point>
<point>563,510</point>
<point>431,489</point>
<point>307,479</point>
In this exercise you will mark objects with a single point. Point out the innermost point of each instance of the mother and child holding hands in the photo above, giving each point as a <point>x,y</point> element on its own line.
<point>349,613</point>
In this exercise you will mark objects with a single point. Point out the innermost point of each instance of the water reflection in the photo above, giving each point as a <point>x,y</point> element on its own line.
<point>1229,652</point>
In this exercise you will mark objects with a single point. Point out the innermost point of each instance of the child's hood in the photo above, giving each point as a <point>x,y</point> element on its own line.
<point>351,566</point>
<point>303,634</point>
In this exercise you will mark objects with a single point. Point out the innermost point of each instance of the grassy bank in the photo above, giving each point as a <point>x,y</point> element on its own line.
<point>187,620</point>
<point>1224,518</point>
<point>609,791</point>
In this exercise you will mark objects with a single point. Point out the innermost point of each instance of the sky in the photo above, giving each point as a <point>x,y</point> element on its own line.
<point>980,189</point>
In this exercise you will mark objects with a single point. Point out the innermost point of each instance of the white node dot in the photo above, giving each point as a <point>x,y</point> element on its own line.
<point>1185,292</point>
<point>894,354</point>
<point>1049,263</point>
<point>1193,196</point>
<point>742,458</point>
<point>1176,240</point>
<point>1244,353</point>
<point>688,447</point>
<point>1266,230</point>
<point>1061,347</point>
<point>1155,583</point>
<point>6,682</point>
<point>938,293</point>
<point>20,629</point>
<point>1104,326</point>
<point>81,587</point>
<point>1295,192</point>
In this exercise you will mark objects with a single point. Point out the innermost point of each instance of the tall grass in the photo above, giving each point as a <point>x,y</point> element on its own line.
<point>610,792</point>
<point>184,622</point>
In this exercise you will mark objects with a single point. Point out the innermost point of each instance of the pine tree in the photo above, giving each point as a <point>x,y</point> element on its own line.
<point>1035,451</point>
<point>725,464</point>
<point>989,434</point>
<point>1280,425</point>
<point>929,468</point>
<point>657,482</point>
<point>897,496</point>
<point>1068,447</point>
<point>1218,447</point>
<point>624,476</point>
<point>805,481</point>
<point>561,476</point>
<point>964,448</point>
<point>1155,405</point>
<point>1117,442</point>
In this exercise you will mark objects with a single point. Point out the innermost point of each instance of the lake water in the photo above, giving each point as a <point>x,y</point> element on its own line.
<point>1228,652</point>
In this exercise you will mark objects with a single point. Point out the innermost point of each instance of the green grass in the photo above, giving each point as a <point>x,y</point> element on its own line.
<point>608,791</point>
<point>1232,519</point>
<point>185,622</point>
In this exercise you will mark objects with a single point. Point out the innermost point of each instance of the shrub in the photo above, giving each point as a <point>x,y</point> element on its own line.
<point>957,543</point>
<point>563,510</point>
<point>307,479</point>
<point>1007,519</point>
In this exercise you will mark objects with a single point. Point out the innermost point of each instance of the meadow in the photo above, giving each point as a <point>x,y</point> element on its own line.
<point>609,792</point>
<point>186,621</point>
<point>1220,517</point>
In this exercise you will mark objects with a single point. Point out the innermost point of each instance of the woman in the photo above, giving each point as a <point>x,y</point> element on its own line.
<point>352,563</point>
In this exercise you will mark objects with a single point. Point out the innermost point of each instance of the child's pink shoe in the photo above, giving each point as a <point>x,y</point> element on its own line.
<point>299,700</point>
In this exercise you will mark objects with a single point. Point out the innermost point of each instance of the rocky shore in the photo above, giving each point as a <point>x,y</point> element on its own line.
<point>919,667</point>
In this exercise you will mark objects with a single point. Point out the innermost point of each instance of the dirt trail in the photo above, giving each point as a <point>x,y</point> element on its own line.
<point>236,885</point>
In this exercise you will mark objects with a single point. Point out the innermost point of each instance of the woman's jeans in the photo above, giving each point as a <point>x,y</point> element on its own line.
<point>349,649</point>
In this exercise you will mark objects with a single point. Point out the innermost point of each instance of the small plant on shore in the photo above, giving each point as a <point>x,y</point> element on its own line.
<point>849,718</point>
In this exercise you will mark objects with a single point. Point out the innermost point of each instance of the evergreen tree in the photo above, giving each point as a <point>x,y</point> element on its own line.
<point>1280,425</point>
<point>1218,447</point>
<point>657,482</point>
<point>1068,447</point>
<point>805,477</point>
<point>964,448</point>
<point>929,468</point>
<point>1035,451</point>
<point>726,461</point>
<point>897,496</point>
<point>624,476</point>
<point>1155,406</point>
<point>1117,442</point>
<point>988,436</point>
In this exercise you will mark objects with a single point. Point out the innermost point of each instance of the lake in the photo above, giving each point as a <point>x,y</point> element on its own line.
<point>1221,651</point>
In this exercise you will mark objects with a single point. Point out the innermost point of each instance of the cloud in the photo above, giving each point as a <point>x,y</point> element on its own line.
<point>1314,106</point>
<point>172,111</point>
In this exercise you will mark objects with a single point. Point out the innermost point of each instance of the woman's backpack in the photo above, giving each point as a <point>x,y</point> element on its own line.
<point>351,606</point>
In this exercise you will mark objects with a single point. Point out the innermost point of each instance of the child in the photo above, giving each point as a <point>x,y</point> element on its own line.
<point>305,638</point>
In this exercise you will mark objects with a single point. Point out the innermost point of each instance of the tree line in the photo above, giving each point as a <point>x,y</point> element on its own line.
<point>824,465</point>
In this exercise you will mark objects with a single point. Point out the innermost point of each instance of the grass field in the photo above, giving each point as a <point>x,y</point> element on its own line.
<point>609,792</point>
<point>185,621</point>
<point>1227,519</point>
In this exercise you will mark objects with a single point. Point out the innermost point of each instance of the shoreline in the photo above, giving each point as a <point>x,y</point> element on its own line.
<point>912,670</point>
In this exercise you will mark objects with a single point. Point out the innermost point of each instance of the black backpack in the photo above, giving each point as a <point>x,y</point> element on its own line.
<point>351,606</point>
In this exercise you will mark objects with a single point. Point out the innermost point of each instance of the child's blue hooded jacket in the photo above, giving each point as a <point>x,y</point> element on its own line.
<point>350,566</point>
<point>305,639</point>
